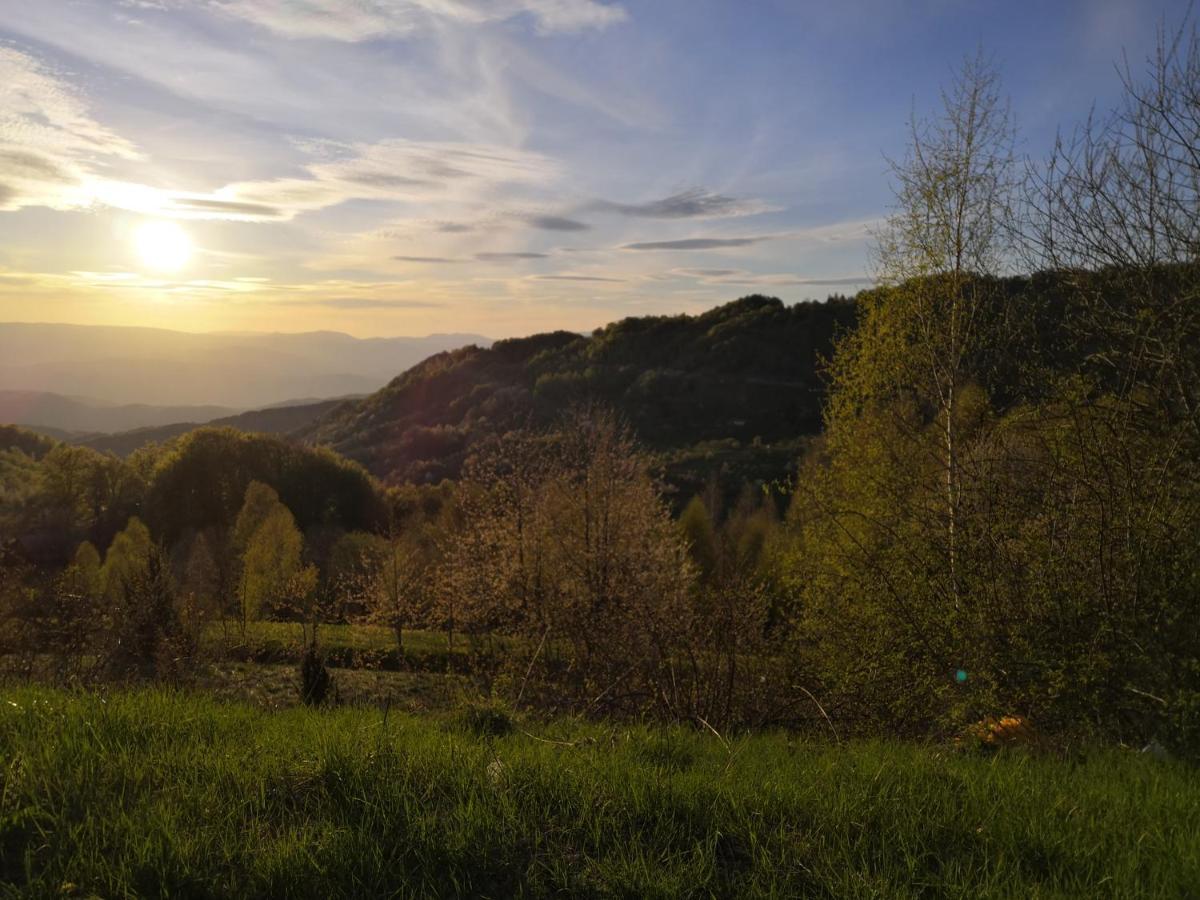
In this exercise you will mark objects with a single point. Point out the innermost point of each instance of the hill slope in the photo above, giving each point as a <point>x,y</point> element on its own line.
<point>273,420</point>
<point>743,371</point>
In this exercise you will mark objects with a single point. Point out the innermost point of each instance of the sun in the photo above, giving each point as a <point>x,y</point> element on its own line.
<point>162,245</point>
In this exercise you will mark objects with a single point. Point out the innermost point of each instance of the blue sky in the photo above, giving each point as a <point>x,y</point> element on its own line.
<point>496,166</point>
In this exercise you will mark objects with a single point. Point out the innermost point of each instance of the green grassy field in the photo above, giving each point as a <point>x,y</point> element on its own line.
<point>155,794</point>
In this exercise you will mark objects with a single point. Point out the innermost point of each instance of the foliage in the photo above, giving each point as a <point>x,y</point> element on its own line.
<point>201,480</point>
<point>274,580</point>
<point>32,444</point>
<point>1017,527</point>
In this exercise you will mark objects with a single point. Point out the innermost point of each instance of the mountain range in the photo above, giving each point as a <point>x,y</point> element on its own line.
<point>229,371</point>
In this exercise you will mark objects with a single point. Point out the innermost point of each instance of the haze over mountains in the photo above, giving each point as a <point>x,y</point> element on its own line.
<point>96,368</point>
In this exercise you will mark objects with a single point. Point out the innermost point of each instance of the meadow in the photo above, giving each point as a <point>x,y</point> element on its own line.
<point>152,792</point>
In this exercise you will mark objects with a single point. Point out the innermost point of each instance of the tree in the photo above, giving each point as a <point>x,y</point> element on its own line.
<point>82,494</point>
<point>201,583</point>
<point>1117,207</point>
<point>1116,211</point>
<point>954,193</point>
<point>84,574</point>
<point>696,525</point>
<point>399,585</point>
<point>892,544</point>
<point>127,559</point>
<point>567,543</point>
<point>274,579</point>
<point>259,502</point>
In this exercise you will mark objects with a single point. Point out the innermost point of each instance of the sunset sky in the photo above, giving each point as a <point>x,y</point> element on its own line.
<point>388,167</point>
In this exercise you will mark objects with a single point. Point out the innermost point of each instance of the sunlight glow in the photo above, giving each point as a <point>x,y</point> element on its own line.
<point>162,246</point>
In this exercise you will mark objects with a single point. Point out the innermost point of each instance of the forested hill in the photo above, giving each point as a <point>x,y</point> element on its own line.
<point>743,371</point>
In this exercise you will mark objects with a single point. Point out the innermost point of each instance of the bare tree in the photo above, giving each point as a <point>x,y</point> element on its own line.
<point>1117,207</point>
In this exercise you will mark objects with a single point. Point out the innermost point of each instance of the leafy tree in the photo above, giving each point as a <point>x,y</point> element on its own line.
<point>80,494</point>
<point>84,574</point>
<point>259,502</point>
<point>954,192</point>
<point>200,482</point>
<point>697,527</point>
<point>127,559</point>
<point>274,579</point>
<point>896,547</point>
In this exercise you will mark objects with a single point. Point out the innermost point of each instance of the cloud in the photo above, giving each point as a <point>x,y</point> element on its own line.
<point>48,141</point>
<point>576,278</point>
<point>427,259</point>
<point>552,223</point>
<point>225,208</point>
<point>390,170</point>
<point>501,257</point>
<point>455,227</point>
<point>707,273</point>
<point>696,203</point>
<point>697,243</point>
<point>360,20</point>
<point>396,169</point>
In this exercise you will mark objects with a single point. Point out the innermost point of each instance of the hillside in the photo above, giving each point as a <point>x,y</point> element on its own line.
<point>273,420</point>
<point>741,374</point>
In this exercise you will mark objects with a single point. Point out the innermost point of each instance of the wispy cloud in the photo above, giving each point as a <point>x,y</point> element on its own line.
<point>696,203</point>
<point>360,20</point>
<point>399,170</point>
<point>698,243</point>
<point>48,139</point>
<point>551,223</point>
<point>504,257</point>
<point>576,278</point>
<point>391,170</point>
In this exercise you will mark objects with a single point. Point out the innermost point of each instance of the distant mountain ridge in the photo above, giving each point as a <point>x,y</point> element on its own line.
<point>86,415</point>
<point>231,370</point>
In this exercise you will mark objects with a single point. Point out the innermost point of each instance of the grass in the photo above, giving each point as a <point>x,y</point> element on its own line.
<point>154,793</point>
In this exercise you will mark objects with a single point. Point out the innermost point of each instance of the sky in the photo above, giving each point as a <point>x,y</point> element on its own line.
<point>500,167</point>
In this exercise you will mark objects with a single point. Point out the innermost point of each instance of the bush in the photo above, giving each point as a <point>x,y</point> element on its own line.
<point>316,684</point>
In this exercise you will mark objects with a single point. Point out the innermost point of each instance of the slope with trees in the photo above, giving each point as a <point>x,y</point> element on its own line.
<point>743,371</point>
